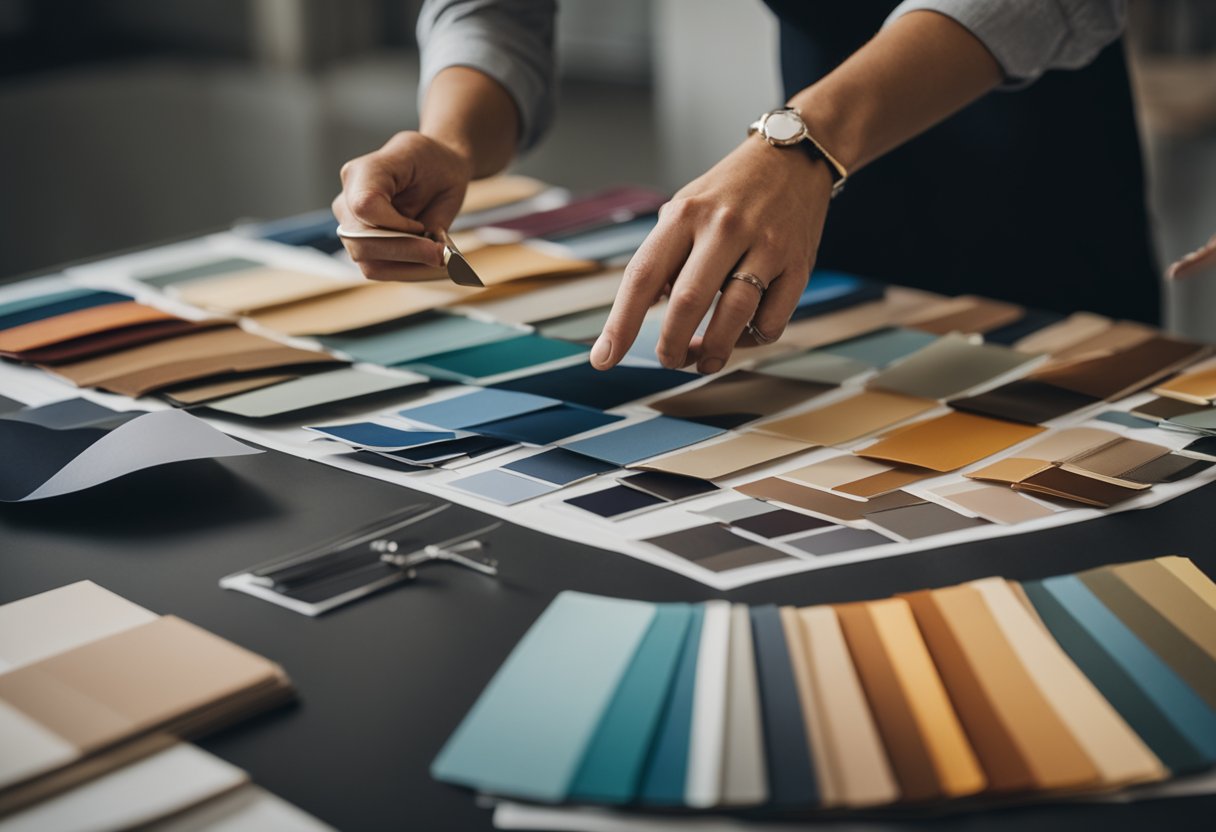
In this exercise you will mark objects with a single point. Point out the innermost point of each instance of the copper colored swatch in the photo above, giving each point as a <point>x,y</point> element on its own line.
<point>949,442</point>
<point>78,324</point>
<point>925,741</point>
<point>849,419</point>
<point>113,340</point>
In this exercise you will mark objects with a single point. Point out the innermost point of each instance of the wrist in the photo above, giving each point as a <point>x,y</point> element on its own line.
<point>789,164</point>
<point>459,148</point>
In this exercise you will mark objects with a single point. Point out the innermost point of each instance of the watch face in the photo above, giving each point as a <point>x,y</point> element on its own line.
<point>783,127</point>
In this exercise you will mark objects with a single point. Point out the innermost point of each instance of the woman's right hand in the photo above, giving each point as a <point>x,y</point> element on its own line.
<point>414,184</point>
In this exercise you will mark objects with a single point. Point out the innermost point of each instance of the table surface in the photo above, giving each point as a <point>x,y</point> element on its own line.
<point>382,683</point>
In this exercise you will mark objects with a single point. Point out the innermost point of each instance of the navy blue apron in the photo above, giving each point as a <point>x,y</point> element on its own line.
<point>1034,196</point>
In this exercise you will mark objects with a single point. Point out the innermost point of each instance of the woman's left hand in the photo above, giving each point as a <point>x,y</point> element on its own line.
<point>759,211</point>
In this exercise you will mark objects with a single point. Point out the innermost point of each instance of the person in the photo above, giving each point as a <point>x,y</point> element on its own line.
<point>1035,195</point>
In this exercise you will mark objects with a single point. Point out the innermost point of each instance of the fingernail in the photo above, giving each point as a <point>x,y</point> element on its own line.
<point>601,352</point>
<point>711,365</point>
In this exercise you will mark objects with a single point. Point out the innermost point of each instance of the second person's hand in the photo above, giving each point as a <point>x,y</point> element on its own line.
<point>759,212</point>
<point>414,183</point>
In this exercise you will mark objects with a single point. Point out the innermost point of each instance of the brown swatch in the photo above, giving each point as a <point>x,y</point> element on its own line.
<point>742,393</point>
<point>90,346</point>
<point>1121,374</point>
<point>218,389</point>
<point>878,484</point>
<point>1027,401</point>
<point>972,314</point>
<point>842,509</point>
<point>1079,487</point>
<point>923,520</point>
<point>1117,458</point>
<point>1157,410</point>
<point>949,442</point>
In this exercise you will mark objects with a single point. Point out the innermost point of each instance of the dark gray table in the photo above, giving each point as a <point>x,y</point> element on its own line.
<point>383,683</point>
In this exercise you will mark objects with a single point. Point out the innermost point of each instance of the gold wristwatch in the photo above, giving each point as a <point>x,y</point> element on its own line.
<point>785,128</point>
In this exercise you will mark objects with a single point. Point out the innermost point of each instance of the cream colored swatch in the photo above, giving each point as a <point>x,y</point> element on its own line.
<point>836,471</point>
<point>826,774</point>
<point>849,419</point>
<point>721,459</point>
<point>243,292</point>
<point>1185,570</point>
<point>1000,505</point>
<point>1062,445</point>
<point>550,298</point>
<point>1119,754</point>
<point>862,771</point>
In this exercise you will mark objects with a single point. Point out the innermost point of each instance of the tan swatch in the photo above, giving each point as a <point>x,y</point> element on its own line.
<point>834,471</point>
<point>1000,505</point>
<point>849,419</point>
<point>843,509</point>
<point>971,314</point>
<point>156,378</point>
<point>78,324</point>
<point>515,261</point>
<point>496,191</point>
<point>924,739</point>
<point>1021,741</point>
<point>878,484</point>
<point>1080,486</point>
<point>1077,327</point>
<point>896,306</point>
<point>862,772</point>
<point>721,459</point>
<point>1009,470</point>
<point>1113,376</point>
<point>365,305</point>
<point>196,393</point>
<point>1120,335</point>
<point>950,441</point>
<point>241,292</point>
<point>1185,570</point>
<point>1061,445</point>
<point>1195,387</point>
<point>1118,458</point>
<point>1174,598</point>
<point>1117,752</point>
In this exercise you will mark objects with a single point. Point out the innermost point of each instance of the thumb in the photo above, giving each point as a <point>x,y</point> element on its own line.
<point>369,188</point>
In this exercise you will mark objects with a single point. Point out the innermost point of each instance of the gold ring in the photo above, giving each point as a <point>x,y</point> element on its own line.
<point>748,277</point>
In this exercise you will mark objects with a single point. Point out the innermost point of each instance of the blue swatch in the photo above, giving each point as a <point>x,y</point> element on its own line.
<point>502,487</point>
<point>643,440</point>
<point>791,773</point>
<point>382,437</point>
<point>482,405</point>
<point>529,731</point>
<point>829,290</point>
<point>546,426</point>
<point>58,304</point>
<point>667,769</point>
<point>437,452</point>
<point>1167,713</point>
<point>1127,420</point>
<point>34,301</point>
<point>487,360</point>
<point>559,466</point>
<point>611,772</point>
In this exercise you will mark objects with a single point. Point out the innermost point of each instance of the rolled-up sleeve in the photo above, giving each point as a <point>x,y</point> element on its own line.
<point>509,40</point>
<point>1030,37</point>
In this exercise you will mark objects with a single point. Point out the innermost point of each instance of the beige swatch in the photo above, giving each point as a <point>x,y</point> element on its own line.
<point>721,459</point>
<point>967,313</point>
<point>826,773</point>
<point>999,505</point>
<point>1174,598</point>
<point>1061,445</point>
<point>1118,458</point>
<point>365,305</point>
<point>1077,327</point>
<point>849,419</point>
<point>241,292</point>
<point>863,775</point>
<point>835,507</point>
<point>515,261</point>
<point>1009,470</point>
<point>1119,336</point>
<point>549,298</point>
<point>1119,754</point>
<point>837,470</point>
<point>876,485</point>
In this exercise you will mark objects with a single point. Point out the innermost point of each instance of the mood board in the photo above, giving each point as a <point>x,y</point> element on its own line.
<point>886,419</point>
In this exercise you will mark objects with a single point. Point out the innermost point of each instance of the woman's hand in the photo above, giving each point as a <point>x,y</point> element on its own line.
<point>759,211</point>
<point>414,183</point>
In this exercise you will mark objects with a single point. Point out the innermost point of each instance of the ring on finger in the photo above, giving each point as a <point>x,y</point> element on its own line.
<point>749,278</point>
<point>757,335</point>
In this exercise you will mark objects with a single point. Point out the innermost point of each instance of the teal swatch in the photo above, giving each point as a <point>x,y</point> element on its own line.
<point>612,770</point>
<point>882,348</point>
<point>497,358</point>
<point>209,269</point>
<point>1167,714</point>
<point>419,339</point>
<point>529,730</point>
<point>1200,420</point>
<point>1121,417</point>
<point>35,301</point>
<point>667,769</point>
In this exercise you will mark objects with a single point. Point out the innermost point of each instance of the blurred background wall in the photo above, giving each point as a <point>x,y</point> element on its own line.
<point>128,122</point>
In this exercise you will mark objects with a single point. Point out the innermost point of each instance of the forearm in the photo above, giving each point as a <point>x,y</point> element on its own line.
<point>474,115</point>
<point>914,73</point>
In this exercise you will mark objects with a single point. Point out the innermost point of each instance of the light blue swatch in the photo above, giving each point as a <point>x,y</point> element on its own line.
<point>476,408</point>
<point>643,440</point>
<point>420,338</point>
<point>612,770</point>
<point>882,348</point>
<point>1167,713</point>
<point>503,487</point>
<point>381,437</point>
<point>667,769</point>
<point>529,731</point>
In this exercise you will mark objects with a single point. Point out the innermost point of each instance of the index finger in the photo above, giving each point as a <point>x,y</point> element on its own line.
<point>650,269</point>
<point>368,190</point>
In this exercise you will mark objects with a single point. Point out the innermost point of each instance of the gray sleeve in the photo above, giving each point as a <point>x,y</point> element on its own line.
<point>509,40</point>
<point>1029,37</point>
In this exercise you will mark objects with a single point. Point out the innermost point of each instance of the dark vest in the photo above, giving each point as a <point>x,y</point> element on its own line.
<point>1034,196</point>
